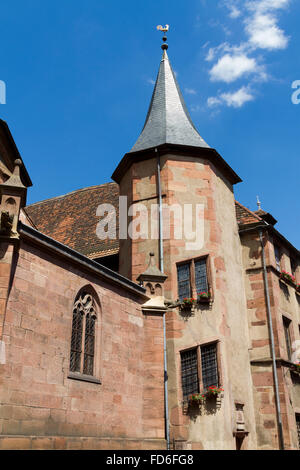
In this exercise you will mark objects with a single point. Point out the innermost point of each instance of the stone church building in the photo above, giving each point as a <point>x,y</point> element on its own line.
<point>145,342</point>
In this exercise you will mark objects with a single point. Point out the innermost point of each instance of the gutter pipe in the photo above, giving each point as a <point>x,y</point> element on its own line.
<point>161,267</point>
<point>270,323</point>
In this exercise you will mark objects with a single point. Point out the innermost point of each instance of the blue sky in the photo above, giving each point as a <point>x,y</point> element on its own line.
<point>79,80</point>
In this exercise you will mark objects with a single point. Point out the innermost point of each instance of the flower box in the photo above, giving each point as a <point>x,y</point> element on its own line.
<point>196,399</point>
<point>213,391</point>
<point>187,303</point>
<point>287,277</point>
<point>203,297</point>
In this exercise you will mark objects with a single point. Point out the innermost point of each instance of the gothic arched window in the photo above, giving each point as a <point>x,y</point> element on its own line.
<point>83,334</point>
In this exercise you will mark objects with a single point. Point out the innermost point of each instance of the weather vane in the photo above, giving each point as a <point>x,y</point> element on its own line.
<point>164,29</point>
<point>258,203</point>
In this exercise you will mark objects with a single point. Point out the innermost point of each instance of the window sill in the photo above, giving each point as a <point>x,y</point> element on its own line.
<point>83,378</point>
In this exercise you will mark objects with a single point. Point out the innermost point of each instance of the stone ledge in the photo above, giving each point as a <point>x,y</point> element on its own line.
<point>78,443</point>
<point>83,378</point>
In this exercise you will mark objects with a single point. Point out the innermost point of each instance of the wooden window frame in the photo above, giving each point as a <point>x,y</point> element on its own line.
<point>191,262</point>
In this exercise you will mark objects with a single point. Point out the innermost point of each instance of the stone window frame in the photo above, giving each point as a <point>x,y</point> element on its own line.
<point>294,266</point>
<point>287,324</point>
<point>278,257</point>
<point>79,375</point>
<point>191,262</point>
<point>198,347</point>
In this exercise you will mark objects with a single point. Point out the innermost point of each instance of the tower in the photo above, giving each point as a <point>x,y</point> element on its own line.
<point>173,178</point>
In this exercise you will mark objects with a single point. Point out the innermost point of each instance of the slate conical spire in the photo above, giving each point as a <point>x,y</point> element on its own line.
<point>168,120</point>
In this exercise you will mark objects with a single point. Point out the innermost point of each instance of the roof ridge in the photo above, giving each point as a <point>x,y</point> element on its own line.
<point>71,192</point>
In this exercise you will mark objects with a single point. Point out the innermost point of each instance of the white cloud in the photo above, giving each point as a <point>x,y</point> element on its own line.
<point>213,51</point>
<point>211,54</point>
<point>234,12</point>
<point>238,98</point>
<point>267,5</point>
<point>233,7</point>
<point>230,62</point>
<point>151,81</point>
<point>235,99</point>
<point>262,25</point>
<point>264,32</point>
<point>213,101</point>
<point>190,91</point>
<point>231,67</point>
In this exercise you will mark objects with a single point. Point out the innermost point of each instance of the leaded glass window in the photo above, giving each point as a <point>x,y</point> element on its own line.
<point>193,278</point>
<point>189,373</point>
<point>209,366</point>
<point>83,334</point>
<point>184,282</point>
<point>201,276</point>
<point>76,340</point>
<point>209,372</point>
<point>89,343</point>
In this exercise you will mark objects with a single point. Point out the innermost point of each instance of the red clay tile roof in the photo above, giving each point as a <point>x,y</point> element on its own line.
<point>244,215</point>
<point>71,219</point>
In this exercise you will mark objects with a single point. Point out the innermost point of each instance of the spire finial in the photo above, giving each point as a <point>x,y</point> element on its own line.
<point>258,203</point>
<point>164,29</point>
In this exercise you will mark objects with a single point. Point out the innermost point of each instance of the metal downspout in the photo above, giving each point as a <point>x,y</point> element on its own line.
<point>270,323</point>
<point>161,267</point>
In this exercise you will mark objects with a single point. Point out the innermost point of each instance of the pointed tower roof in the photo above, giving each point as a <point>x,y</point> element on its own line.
<point>169,128</point>
<point>168,120</point>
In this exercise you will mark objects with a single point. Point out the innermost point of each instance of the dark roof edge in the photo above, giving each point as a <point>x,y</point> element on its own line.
<point>265,226</point>
<point>27,180</point>
<point>202,152</point>
<point>283,239</point>
<point>76,191</point>
<point>62,250</point>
